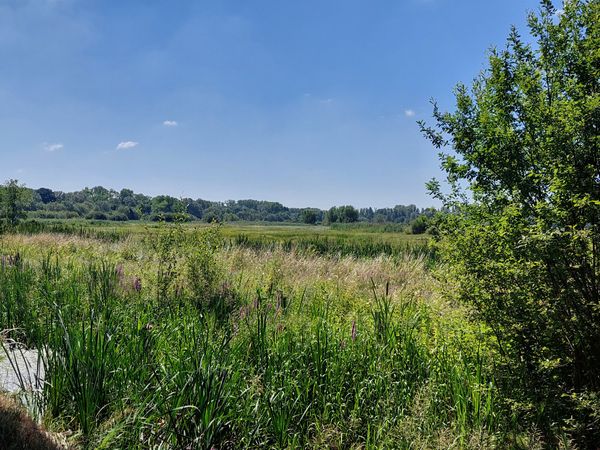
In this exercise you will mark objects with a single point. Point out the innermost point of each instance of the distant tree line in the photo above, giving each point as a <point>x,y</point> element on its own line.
<point>99,203</point>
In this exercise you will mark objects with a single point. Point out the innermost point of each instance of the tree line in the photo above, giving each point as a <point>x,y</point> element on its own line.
<point>100,203</point>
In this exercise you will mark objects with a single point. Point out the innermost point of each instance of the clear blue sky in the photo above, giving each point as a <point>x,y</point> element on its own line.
<point>310,103</point>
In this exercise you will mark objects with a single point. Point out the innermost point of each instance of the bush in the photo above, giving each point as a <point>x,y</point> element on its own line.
<point>97,215</point>
<point>419,225</point>
<point>524,244</point>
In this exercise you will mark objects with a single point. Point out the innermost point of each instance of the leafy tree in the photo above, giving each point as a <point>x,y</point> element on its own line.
<point>309,216</point>
<point>419,225</point>
<point>165,204</point>
<point>524,239</point>
<point>343,214</point>
<point>13,199</point>
<point>116,205</point>
<point>348,214</point>
<point>46,195</point>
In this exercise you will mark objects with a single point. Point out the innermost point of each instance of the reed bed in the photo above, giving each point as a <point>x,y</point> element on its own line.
<point>182,340</point>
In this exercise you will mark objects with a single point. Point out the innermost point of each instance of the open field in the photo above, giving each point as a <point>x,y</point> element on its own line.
<point>360,241</point>
<point>178,339</point>
<point>136,321</point>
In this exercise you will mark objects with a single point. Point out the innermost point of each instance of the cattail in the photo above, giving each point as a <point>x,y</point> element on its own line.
<point>353,330</point>
<point>137,284</point>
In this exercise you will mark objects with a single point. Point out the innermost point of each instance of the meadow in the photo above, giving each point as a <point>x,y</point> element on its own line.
<point>179,336</point>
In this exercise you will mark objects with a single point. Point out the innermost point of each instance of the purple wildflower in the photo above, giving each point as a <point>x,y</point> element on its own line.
<point>137,284</point>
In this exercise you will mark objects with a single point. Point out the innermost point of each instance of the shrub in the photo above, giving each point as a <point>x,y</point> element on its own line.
<point>525,242</point>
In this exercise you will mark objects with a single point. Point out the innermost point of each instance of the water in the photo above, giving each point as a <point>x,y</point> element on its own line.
<point>20,370</point>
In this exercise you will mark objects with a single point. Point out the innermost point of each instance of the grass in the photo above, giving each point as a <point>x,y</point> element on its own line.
<point>182,337</point>
<point>360,240</point>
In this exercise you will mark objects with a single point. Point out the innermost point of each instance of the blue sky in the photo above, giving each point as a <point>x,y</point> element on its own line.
<point>310,103</point>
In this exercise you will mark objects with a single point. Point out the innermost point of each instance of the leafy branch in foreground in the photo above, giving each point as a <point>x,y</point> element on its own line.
<point>524,243</point>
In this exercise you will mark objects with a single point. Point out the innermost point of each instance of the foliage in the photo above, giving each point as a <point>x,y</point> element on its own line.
<point>310,216</point>
<point>311,365</point>
<point>99,203</point>
<point>205,273</point>
<point>419,225</point>
<point>525,239</point>
<point>13,200</point>
<point>341,214</point>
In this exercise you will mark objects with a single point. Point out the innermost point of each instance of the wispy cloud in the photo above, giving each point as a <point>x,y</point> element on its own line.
<point>127,145</point>
<point>53,147</point>
<point>409,113</point>
<point>170,123</point>
<point>559,12</point>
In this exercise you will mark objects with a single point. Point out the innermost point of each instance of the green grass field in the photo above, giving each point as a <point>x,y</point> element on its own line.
<point>360,241</point>
<point>180,337</point>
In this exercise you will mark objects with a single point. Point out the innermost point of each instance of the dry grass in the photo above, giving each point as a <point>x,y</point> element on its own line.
<point>299,270</point>
<point>293,269</point>
<point>351,279</point>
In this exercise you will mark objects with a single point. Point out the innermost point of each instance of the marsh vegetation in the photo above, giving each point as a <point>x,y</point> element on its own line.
<point>484,333</point>
<point>180,338</point>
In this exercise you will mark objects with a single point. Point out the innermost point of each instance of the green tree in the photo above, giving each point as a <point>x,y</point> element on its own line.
<point>13,200</point>
<point>524,239</point>
<point>348,214</point>
<point>419,225</point>
<point>309,216</point>
<point>342,214</point>
<point>46,195</point>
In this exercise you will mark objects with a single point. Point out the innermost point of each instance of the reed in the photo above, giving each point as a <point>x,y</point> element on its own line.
<point>198,355</point>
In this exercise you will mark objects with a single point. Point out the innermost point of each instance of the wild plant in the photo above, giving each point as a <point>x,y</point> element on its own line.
<point>190,406</point>
<point>382,313</point>
<point>209,290</point>
<point>166,243</point>
<point>261,363</point>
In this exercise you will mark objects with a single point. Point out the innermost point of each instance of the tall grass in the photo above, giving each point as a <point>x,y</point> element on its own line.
<point>196,359</point>
<point>358,240</point>
<point>321,245</point>
<point>81,229</point>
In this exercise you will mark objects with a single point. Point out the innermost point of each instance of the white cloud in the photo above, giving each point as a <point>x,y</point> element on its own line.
<point>170,123</point>
<point>52,147</point>
<point>409,113</point>
<point>559,12</point>
<point>127,145</point>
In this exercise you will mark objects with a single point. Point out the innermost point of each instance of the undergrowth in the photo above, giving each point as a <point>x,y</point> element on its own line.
<point>186,344</point>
